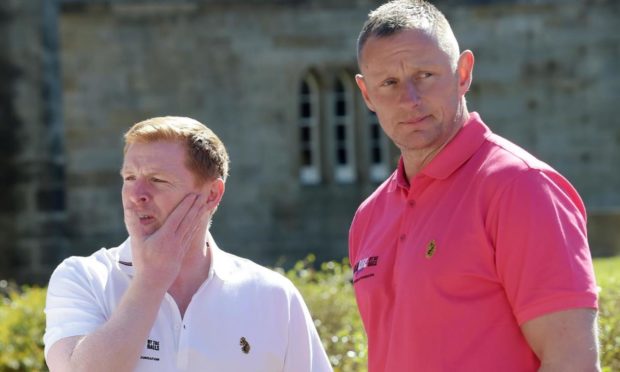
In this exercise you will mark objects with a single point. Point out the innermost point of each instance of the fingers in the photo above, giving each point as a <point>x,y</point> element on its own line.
<point>133,225</point>
<point>192,216</point>
<point>178,215</point>
<point>193,222</point>
<point>184,222</point>
<point>176,235</point>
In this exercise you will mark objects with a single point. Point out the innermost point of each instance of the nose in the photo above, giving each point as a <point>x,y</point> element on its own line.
<point>139,192</point>
<point>410,94</point>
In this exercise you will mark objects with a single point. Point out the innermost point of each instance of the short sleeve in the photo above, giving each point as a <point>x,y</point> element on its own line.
<point>542,253</point>
<point>72,307</point>
<point>305,352</point>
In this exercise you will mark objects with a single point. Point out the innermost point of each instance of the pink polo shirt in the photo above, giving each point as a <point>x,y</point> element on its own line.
<point>446,269</point>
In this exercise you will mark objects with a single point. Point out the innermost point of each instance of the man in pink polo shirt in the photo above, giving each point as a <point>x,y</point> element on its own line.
<point>472,255</point>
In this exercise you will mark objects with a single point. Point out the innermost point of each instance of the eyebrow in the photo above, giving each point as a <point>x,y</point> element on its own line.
<point>162,173</point>
<point>125,170</point>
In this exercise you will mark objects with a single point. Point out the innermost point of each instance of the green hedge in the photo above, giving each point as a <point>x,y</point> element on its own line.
<point>608,279</point>
<point>21,329</point>
<point>329,295</point>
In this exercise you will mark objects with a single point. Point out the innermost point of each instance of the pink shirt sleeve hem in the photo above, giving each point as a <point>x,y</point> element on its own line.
<point>557,303</point>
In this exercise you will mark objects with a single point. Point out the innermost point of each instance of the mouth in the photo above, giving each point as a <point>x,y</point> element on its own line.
<point>145,218</point>
<point>414,120</point>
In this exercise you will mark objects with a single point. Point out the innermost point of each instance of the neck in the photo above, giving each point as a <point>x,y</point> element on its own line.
<point>194,272</point>
<point>415,160</point>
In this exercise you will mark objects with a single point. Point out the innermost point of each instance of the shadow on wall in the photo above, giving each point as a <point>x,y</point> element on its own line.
<point>9,148</point>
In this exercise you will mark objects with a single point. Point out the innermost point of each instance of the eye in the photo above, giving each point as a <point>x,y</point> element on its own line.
<point>129,178</point>
<point>157,180</point>
<point>388,82</point>
<point>424,75</point>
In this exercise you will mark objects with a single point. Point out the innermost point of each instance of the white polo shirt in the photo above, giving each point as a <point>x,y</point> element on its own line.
<point>244,317</point>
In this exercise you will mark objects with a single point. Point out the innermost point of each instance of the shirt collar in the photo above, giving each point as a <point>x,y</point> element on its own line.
<point>398,177</point>
<point>222,264</point>
<point>462,147</point>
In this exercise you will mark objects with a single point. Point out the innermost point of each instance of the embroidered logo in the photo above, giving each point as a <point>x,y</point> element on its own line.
<point>152,344</point>
<point>245,345</point>
<point>430,249</point>
<point>361,265</point>
<point>364,263</point>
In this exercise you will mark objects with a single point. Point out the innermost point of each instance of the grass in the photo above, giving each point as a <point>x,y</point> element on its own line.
<point>607,272</point>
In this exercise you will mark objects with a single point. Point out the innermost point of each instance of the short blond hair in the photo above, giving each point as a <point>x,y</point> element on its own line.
<point>206,158</point>
<point>401,15</point>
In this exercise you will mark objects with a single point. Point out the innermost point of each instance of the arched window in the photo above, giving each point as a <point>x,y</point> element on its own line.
<point>309,136</point>
<point>343,131</point>
<point>378,150</point>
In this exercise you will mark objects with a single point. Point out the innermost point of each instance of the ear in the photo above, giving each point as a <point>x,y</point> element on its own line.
<point>465,69</point>
<point>361,83</point>
<point>214,190</point>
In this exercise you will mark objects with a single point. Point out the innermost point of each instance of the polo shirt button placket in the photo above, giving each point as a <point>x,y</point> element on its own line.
<point>403,236</point>
<point>183,355</point>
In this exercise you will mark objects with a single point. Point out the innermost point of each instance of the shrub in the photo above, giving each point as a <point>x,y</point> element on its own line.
<point>608,278</point>
<point>609,324</point>
<point>329,295</point>
<point>22,323</point>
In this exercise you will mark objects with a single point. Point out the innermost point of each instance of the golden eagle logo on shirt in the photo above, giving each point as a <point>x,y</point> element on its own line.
<point>430,249</point>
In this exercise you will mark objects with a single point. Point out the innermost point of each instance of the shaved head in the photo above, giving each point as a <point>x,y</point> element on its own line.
<point>399,15</point>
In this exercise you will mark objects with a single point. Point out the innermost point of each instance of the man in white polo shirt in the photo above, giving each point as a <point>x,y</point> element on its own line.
<point>168,299</point>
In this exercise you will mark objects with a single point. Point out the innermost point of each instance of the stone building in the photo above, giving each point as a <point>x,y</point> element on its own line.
<point>274,79</point>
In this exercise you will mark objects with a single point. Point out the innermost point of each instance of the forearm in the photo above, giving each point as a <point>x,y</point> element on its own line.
<point>581,359</point>
<point>117,344</point>
<point>565,340</point>
<point>571,364</point>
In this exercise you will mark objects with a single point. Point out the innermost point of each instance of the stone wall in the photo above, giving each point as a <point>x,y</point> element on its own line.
<point>545,77</point>
<point>33,215</point>
<point>236,68</point>
<point>9,148</point>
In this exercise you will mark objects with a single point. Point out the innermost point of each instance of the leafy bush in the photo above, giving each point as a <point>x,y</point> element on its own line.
<point>608,278</point>
<point>21,329</point>
<point>329,295</point>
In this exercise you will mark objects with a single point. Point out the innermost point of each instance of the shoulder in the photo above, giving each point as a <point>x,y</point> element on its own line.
<point>95,267</point>
<point>505,164</point>
<point>510,176</point>
<point>378,196</point>
<point>504,158</point>
<point>245,272</point>
<point>371,208</point>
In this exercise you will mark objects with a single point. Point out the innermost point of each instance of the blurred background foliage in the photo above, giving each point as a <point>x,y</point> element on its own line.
<point>608,279</point>
<point>329,295</point>
<point>328,292</point>
<point>22,323</point>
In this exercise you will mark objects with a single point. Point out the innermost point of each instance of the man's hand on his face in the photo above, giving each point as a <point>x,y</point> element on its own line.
<point>159,256</point>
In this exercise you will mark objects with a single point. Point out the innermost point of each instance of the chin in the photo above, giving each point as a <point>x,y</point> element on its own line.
<point>147,230</point>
